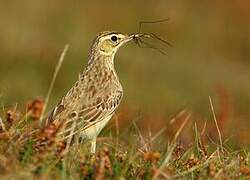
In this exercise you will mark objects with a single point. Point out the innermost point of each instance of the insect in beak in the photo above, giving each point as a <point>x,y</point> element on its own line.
<point>138,38</point>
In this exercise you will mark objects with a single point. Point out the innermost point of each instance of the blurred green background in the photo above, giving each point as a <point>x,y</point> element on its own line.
<point>210,56</point>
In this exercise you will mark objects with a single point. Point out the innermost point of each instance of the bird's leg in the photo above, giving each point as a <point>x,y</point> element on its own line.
<point>70,137</point>
<point>93,145</point>
<point>77,138</point>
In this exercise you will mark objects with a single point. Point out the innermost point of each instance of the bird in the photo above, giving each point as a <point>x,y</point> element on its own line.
<point>92,101</point>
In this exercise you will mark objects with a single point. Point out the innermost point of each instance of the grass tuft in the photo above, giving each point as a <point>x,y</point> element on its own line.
<point>130,155</point>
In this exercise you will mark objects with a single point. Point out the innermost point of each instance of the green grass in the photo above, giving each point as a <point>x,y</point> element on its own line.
<point>121,154</point>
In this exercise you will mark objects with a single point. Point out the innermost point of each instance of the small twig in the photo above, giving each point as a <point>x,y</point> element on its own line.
<point>216,123</point>
<point>58,66</point>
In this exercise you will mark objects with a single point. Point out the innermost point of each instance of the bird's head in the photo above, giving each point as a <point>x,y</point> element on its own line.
<point>107,43</point>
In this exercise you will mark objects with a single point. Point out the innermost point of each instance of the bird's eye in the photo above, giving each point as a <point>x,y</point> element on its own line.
<point>114,38</point>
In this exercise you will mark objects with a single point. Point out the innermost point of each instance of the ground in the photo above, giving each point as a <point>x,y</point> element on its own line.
<point>121,153</point>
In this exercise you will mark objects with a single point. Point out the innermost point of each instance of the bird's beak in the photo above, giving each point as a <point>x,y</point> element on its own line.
<point>138,35</point>
<point>135,36</point>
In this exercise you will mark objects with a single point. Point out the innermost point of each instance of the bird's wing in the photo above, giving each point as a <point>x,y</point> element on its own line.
<point>88,115</point>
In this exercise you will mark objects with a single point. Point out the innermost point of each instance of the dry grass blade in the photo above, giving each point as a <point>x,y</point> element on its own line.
<point>182,174</point>
<point>143,141</point>
<point>200,147</point>
<point>2,124</point>
<point>172,147</point>
<point>117,130</point>
<point>204,128</point>
<point>58,66</point>
<point>216,123</point>
<point>182,126</point>
<point>165,161</point>
<point>172,120</point>
<point>158,134</point>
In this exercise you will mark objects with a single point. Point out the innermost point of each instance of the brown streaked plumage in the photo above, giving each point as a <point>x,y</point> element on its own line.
<point>91,102</point>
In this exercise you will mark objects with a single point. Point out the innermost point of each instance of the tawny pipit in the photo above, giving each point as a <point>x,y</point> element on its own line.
<point>91,102</point>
